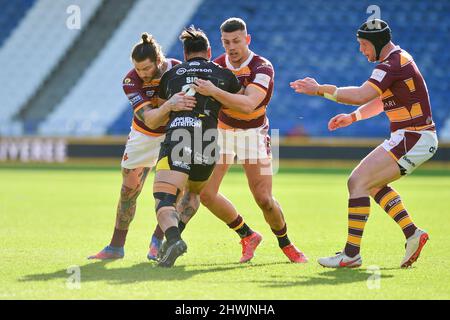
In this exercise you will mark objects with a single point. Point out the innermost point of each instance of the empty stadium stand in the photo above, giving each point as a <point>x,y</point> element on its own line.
<point>34,49</point>
<point>75,63</point>
<point>97,99</point>
<point>83,95</point>
<point>10,15</point>
<point>317,38</point>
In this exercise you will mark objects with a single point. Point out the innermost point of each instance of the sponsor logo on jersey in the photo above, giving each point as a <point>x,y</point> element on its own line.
<point>409,161</point>
<point>127,82</point>
<point>390,104</point>
<point>187,150</point>
<point>264,65</point>
<point>186,122</point>
<point>181,164</point>
<point>194,63</point>
<point>262,79</point>
<point>136,99</point>
<point>378,75</point>
<point>202,159</point>
<point>150,93</point>
<point>182,71</point>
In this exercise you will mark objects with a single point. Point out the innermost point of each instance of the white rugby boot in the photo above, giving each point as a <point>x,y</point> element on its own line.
<point>414,245</point>
<point>341,260</point>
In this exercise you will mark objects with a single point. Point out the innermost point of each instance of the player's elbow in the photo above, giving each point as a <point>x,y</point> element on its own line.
<point>249,108</point>
<point>243,108</point>
<point>152,124</point>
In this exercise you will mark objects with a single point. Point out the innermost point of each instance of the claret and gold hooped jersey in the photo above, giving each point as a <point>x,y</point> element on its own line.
<point>403,91</point>
<point>142,94</point>
<point>255,71</point>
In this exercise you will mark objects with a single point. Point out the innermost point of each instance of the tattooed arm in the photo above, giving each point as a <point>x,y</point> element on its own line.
<point>153,117</point>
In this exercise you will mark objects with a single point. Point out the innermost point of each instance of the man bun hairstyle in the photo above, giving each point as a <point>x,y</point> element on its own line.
<point>147,48</point>
<point>233,24</point>
<point>194,40</point>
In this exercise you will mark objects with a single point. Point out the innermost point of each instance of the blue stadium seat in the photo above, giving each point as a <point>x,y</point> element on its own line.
<point>10,15</point>
<point>317,38</point>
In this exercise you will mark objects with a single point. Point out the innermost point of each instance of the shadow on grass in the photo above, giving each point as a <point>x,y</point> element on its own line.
<point>142,272</point>
<point>328,277</point>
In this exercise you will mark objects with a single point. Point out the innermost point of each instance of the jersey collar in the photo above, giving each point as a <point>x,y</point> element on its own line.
<point>396,48</point>
<point>244,64</point>
<point>197,59</point>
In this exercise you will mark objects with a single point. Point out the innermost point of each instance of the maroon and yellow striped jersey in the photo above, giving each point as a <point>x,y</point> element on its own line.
<point>141,94</point>
<point>403,91</point>
<point>255,71</point>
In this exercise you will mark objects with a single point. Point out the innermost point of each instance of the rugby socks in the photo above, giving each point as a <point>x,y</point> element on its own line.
<point>390,201</point>
<point>242,229</point>
<point>118,238</point>
<point>358,213</point>
<point>173,235</point>
<point>282,237</point>
<point>158,233</point>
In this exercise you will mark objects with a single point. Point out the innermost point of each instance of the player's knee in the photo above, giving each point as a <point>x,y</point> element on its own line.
<point>352,181</point>
<point>130,192</point>
<point>264,201</point>
<point>356,182</point>
<point>194,201</point>
<point>164,199</point>
<point>165,194</point>
<point>207,198</point>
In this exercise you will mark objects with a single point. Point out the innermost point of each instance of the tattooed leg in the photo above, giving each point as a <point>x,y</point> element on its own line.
<point>167,217</point>
<point>133,181</point>
<point>188,206</point>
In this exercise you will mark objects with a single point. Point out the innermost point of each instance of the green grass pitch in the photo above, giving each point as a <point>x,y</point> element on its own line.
<point>51,220</point>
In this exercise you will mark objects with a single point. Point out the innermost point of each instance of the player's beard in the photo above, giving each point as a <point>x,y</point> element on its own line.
<point>157,75</point>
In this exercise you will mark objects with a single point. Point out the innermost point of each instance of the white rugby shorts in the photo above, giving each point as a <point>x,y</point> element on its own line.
<point>141,150</point>
<point>411,148</point>
<point>246,144</point>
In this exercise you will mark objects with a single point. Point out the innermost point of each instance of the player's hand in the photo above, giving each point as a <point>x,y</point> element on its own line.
<point>181,102</point>
<point>340,121</point>
<point>204,87</point>
<point>306,86</point>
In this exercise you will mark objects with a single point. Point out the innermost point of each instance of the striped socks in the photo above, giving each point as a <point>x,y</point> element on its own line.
<point>358,213</point>
<point>391,202</point>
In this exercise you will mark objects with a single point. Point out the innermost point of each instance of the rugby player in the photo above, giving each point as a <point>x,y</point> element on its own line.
<point>141,86</point>
<point>256,75</point>
<point>396,87</point>
<point>189,152</point>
